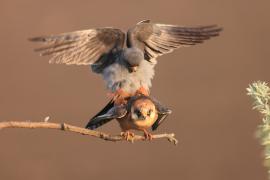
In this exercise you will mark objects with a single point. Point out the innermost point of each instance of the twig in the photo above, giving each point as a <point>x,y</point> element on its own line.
<point>79,130</point>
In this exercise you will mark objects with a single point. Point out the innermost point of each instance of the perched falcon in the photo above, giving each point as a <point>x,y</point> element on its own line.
<point>126,61</point>
<point>139,113</point>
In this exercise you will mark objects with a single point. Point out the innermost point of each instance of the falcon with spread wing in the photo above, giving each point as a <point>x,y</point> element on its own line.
<point>126,61</point>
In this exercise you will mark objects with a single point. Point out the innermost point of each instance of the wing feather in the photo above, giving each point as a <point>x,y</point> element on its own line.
<point>163,113</point>
<point>81,47</point>
<point>158,39</point>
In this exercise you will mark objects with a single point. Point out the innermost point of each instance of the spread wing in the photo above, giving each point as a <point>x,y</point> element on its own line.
<point>158,39</point>
<point>81,47</point>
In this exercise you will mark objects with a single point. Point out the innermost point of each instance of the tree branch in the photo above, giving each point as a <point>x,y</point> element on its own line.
<point>79,130</point>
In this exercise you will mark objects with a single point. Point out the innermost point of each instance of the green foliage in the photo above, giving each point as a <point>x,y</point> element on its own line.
<point>260,93</point>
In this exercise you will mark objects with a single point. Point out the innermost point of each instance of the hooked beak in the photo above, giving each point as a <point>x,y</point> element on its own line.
<point>142,117</point>
<point>132,69</point>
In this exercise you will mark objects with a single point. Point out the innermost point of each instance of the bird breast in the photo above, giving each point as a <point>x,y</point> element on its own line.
<point>118,76</point>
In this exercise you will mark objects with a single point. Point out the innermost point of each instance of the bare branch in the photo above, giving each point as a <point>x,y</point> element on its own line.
<point>79,130</point>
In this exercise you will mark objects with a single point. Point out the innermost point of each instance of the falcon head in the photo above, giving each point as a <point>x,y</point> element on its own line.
<point>143,112</point>
<point>132,58</point>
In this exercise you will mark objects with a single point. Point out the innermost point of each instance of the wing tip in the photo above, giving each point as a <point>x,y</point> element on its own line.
<point>168,111</point>
<point>37,39</point>
<point>213,29</point>
<point>144,21</point>
<point>90,126</point>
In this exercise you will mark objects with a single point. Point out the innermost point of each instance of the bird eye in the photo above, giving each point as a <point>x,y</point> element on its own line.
<point>138,112</point>
<point>149,112</point>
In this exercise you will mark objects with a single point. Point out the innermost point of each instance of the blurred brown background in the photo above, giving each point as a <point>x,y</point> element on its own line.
<point>204,85</point>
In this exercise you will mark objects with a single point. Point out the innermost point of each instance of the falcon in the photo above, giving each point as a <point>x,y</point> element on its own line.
<point>139,113</point>
<point>126,61</point>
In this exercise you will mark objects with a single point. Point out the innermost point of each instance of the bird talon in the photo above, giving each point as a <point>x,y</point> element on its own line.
<point>128,136</point>
<point>147,135</point>
<point>142,91</point>
<point>120,96</point>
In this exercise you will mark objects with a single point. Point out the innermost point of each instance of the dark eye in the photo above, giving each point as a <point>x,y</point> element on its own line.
<point>138,112</point>
<point>149,112</point>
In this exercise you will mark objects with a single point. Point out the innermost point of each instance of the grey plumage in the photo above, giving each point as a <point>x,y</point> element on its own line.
<point>104,49</point>
<point>117,76</point>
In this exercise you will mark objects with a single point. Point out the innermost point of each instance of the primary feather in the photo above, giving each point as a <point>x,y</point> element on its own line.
<point>158,39</point>
<point>81,47</point>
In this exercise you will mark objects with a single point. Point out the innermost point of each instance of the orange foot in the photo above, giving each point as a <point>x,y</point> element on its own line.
<point>142,91</point>
<point>127,135</point>
<point>119,96</point>
<point>147,135</point>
